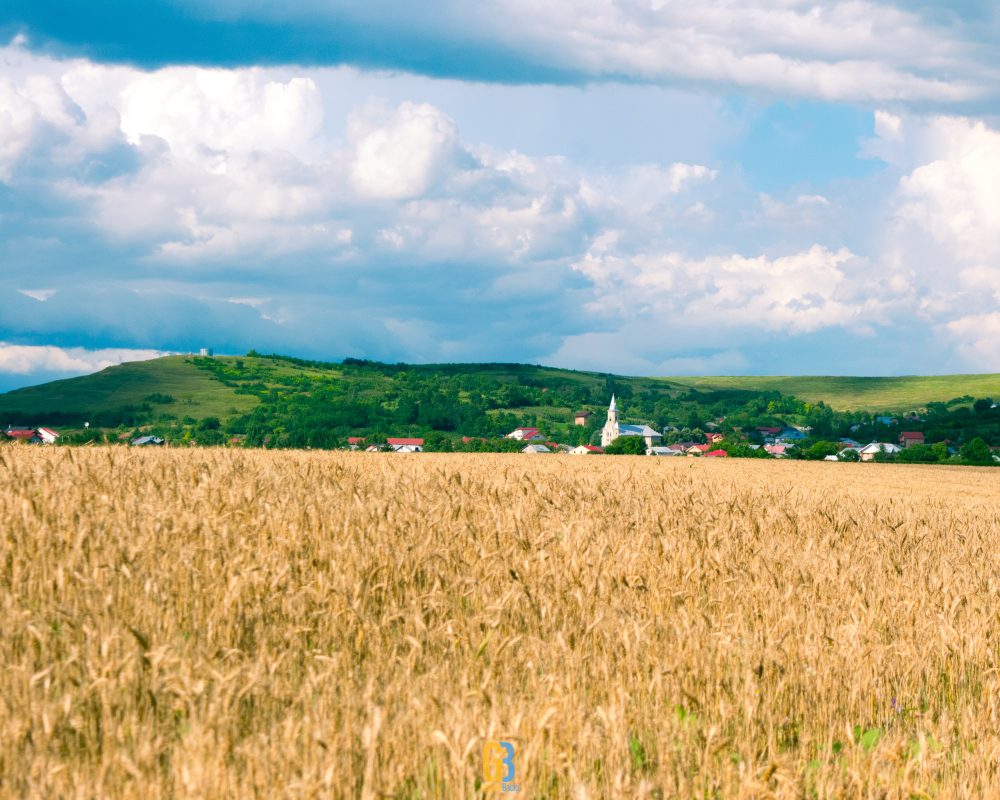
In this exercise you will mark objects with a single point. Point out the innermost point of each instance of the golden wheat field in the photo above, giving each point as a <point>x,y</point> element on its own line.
<point>210,623</point>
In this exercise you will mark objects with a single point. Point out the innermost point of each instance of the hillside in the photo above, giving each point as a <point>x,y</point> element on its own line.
<point>195,392</point>
<point>198,393</point>
<point>287,402</point>
<point>854,393</point>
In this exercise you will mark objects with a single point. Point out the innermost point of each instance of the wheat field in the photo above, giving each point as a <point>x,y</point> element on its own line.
<point>213,623</point>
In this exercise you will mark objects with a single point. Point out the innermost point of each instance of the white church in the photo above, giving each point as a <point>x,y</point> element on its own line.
<point>613,429</point>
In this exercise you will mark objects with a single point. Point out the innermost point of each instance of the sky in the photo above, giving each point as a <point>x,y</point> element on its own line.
<point>646,187</point>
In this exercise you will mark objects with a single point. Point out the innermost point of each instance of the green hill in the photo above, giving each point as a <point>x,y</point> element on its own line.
<point>194,392</point>
<point>852,393</point>
<point>287,402</point>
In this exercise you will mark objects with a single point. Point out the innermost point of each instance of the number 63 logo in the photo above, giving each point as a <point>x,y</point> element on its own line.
<point>498,764</point>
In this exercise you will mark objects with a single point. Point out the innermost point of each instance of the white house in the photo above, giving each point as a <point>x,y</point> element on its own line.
<point>585,450</point>
<point>663,451</point>
<point>405,444</point>
<point>536,448</point>
<point>47,435</point>
<point>613,429</point>
<point>869,451</point>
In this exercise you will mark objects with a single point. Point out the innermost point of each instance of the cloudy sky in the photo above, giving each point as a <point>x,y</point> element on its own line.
<point>638,186</point>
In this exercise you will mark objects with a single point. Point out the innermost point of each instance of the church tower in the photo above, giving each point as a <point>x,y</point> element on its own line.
<point>610,431</point>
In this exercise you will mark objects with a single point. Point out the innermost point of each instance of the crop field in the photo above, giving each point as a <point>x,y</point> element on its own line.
<point>210,623</point>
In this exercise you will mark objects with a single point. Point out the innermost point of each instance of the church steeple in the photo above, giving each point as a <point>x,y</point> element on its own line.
<point>610,431</point>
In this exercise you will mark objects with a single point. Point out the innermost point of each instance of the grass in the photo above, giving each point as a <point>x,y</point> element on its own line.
<point>854,393</point>
<point>196,392</point>
<point>212,623</point>
<point>199,394</point>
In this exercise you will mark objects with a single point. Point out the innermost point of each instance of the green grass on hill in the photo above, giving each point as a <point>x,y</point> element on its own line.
<point>196,392</point>
<point>199,394</point>
<point>868,394</point>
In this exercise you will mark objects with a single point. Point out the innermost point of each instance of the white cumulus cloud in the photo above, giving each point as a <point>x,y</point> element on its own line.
<point>26,359</point>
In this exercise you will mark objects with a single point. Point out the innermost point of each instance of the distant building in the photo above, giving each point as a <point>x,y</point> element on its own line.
<point>716,454</point>
<point>613,429</point>
<point>663,451</point>
<point>870,451</point>
<point>146,441</point>
<point>206,351</point>
<point>581,417</point>
<point>405,445</point>
<point>47,435</point>
<point>586,449</point>
<point>714,438</point>
<point>535,449</point>
<point>526,435</point>
<point>910,438</point>
<point>20,433</point>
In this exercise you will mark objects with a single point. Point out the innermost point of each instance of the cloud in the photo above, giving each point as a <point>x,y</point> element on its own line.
<point>27,359</point>
<point>404,152</point>
<point>847,50</point>
<point>41,295</point>
<point>181,207</point>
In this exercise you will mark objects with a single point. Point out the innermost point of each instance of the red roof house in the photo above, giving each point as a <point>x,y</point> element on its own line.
<point>355,440</point>
<point>526,435</point>
<point>909,438</point>
<point>768,431</point>
<point>716,454</point>
<point>399,442</point>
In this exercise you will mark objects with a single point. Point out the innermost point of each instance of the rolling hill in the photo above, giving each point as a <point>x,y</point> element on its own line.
<point>199,393</point>
<point>857,393</point>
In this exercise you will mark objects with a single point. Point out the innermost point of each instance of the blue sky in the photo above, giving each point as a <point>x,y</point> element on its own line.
<point>640,186</point>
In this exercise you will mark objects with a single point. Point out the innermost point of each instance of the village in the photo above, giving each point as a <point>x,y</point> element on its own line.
<point>617,437</point>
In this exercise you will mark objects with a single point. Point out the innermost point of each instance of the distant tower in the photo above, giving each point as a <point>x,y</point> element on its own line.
<point>610,431</point>
<point>205,351</point>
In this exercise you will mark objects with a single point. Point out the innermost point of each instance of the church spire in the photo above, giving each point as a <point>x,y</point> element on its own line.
<point>613,406</point>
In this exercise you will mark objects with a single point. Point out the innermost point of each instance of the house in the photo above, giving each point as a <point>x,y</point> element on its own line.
<point>372,448</point>
<point>765,430</point>
<point>535,448</point>
<point>354,442</point>
<point>47,435</point>
<point>404,445</point>
<point>716,454</point>
<point>714,438</point>
<point>581,417</point>
<point>790,435</point>
<point>869,451</point>
<point>663,451</point>
<point>698,449</point>
<point>910,438</point>
<point>682,447</point>
<point>20,433</point>
<point>849,442</point>
<point>885,420</point>
<point>146,441</point>
<point>525,435</point>
<point>778,450</point>
<point>586,449</point>
<point>831,458</point>
<point>613,429</point>
<point>840,453</point>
